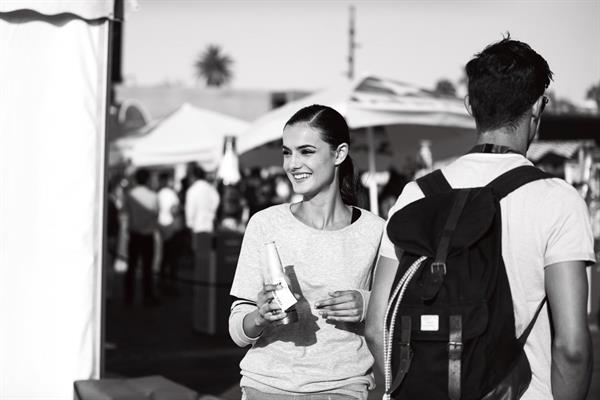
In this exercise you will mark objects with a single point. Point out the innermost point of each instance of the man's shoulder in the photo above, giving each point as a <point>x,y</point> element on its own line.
<point>410,193</point>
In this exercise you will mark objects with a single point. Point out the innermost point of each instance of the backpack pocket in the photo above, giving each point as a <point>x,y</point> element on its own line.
<point>433,323</point>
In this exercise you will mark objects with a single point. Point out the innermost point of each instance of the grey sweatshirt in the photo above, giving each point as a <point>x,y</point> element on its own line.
<point>311,355</point>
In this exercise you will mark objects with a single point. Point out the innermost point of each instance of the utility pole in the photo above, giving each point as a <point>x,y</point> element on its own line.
<point>351,44</point>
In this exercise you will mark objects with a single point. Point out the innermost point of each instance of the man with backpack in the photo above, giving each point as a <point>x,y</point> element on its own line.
<point>480,289</point>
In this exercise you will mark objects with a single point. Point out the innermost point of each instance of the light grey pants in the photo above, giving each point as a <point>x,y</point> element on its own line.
<point>253,394</point>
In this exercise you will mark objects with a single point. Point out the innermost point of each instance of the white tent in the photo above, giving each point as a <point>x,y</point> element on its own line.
<point>408,113</point>
<point>53,80</point>
<point>188,134</point>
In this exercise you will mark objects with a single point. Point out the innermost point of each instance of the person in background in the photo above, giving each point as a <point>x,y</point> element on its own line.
<point>328,247</point>
<point>112,232</point>
<point>201,204</point>
<point>170,223</point>
<point>546,236</point>
<point>141,211</point>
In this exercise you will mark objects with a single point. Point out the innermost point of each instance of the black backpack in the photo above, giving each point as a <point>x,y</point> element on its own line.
<point>450,328</point>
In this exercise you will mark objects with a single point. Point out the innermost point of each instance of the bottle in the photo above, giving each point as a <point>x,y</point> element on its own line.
<point>282,296</point>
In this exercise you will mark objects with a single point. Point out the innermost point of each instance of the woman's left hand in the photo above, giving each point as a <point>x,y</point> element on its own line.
<point>342,306</point>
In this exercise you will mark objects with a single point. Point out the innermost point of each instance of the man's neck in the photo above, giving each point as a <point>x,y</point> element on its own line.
<point>502,137</point>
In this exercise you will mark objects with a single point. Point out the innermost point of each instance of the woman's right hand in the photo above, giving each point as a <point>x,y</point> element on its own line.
<point>268,310</point>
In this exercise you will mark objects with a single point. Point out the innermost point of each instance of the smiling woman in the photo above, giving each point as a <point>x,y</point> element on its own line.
<point>328,247</point>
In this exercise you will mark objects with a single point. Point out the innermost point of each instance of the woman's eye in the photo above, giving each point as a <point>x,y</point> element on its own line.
<point>286,152</point>
<point>308,151</point>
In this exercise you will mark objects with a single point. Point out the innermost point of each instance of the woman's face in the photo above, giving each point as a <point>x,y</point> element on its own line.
<point>308,161</point>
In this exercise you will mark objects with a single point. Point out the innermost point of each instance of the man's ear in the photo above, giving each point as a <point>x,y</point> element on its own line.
<point>536,108</point>
<point>341,153</point>
<point>468,105</point>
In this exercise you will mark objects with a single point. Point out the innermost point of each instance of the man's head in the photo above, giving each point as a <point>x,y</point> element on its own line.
<point>198,172</point>
<point>142,176</point>
<point>504,81</point>
<point>165,179</point>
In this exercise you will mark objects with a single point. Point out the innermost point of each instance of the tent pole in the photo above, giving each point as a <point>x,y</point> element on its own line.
<point>372,181</point>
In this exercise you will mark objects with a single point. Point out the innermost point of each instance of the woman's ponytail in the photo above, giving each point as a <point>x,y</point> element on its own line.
<point>348,182</point>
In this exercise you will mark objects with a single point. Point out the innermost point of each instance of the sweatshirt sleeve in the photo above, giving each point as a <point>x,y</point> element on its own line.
<point>247,282</point>
<point>366,296</point>
<point>239,310</point>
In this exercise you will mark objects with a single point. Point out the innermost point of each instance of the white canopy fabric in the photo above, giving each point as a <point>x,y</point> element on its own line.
<point>53,80</point>
<point>88,9</point>
<point>188,134</point>
<point>366,102</point>
<point>562,148</point>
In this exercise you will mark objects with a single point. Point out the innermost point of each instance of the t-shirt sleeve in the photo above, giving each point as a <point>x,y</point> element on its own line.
<point>249,277</point>
<point>410,193</point>
<point>570,237</point>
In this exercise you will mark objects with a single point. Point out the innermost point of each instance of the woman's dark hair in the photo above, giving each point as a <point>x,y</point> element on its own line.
<point>333,130</point>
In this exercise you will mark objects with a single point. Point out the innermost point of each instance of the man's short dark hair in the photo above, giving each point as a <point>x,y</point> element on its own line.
<point>163,178</point>
<point>198,172</point>
<point>504,80</point>
<point>142,176</point>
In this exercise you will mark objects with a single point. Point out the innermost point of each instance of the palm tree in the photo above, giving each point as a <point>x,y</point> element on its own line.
<point>445,88</point>
<point>214,67</point>
<point>593,93</point>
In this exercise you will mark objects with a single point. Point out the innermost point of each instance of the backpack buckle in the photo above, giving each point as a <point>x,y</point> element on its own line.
<point>455,347</point>
<point>436,266</point>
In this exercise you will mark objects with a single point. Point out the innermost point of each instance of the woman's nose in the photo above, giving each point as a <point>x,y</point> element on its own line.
<point>293,162</point>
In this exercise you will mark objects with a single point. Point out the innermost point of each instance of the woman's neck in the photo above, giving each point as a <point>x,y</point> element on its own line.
<point>324,212</point>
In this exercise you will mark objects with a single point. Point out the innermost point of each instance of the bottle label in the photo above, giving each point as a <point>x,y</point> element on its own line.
<point>284,297</point>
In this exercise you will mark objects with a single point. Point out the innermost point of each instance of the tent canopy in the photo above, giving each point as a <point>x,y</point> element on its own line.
<point>366,102</point>
<point>54,79</point>
<point>189,134</point>
<point>561,148</point>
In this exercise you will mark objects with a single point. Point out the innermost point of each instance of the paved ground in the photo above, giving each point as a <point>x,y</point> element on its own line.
<point>161,340</point>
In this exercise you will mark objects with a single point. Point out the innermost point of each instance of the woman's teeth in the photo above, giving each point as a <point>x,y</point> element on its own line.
<point>300,177</point>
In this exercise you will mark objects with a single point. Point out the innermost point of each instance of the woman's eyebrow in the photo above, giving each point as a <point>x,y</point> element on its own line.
<point>301,147</point>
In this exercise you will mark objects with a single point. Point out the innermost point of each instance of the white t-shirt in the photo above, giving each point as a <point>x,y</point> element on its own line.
<point>543,223</point>
<point>201,203</point>
<point>167,201</point>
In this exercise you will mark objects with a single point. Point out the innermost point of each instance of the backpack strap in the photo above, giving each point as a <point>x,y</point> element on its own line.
<point>455,347</point>
<point>432,282</point>
<point>406,353</point>
<point>523,338</point>
<point>433,183</point>
<point>515,178</point>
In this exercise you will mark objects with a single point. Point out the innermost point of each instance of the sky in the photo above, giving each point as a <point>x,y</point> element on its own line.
<point>303,45</point>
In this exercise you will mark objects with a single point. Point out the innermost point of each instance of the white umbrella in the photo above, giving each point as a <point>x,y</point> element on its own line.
<point>413,114</point>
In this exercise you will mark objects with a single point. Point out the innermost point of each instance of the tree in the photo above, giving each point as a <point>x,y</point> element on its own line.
<point>593,93</point>
<point>445,88</point>
<point>214,66</point>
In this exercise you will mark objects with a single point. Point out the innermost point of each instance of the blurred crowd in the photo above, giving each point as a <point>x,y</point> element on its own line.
<point>157,223</point>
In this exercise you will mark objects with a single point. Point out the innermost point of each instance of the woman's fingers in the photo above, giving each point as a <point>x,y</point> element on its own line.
<point>343,305</point>
<point>341,300</point>
<point>271,312</point>
<point>351,312</point>
<point>344,319</point>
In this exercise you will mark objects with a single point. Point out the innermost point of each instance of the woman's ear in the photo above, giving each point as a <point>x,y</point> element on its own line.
<point>468,105</point>
<point>341,153</point>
